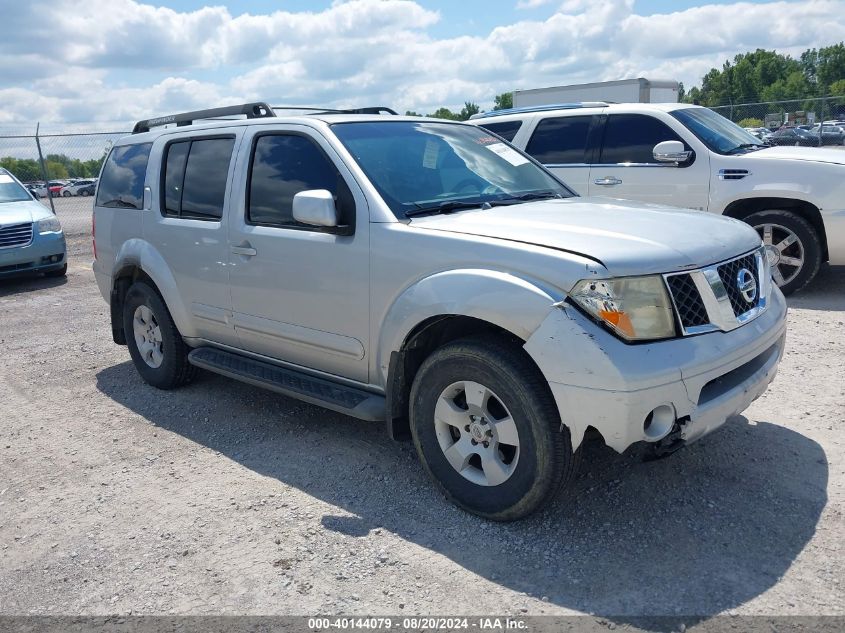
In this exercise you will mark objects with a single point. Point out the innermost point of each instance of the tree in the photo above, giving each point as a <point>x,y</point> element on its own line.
<point>468,110</point>
<point>750,122</point>
<point>503,101</point>
<point>837,88</point>
<point>444,113</point>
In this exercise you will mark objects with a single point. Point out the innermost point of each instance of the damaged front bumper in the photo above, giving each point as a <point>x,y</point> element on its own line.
<point>643,392</point>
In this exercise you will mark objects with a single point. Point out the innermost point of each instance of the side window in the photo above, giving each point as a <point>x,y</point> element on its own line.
<point>630,138</point>
<point>506,129</point>
<point>122,182</point>
<point>283,165</point>
<point>195,175</point>
<point>560,140</point>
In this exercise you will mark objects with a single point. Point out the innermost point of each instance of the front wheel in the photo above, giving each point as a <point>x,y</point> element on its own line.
<point>157,349</point>
<point>792,246</point>
<point>487,429</point>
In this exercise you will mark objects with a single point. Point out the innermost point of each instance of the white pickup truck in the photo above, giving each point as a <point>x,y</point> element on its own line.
<point>688,156</point>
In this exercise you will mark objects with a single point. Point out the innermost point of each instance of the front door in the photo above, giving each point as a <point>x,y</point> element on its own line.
<point>300,293</point>
<point>626,168</point>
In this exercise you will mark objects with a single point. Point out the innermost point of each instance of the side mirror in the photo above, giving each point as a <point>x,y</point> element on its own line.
<point>671,152</point>
<point>315,207</point>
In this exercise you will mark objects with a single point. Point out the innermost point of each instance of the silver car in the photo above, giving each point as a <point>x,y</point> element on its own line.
<point>427,275</point>
<point>31,237</point>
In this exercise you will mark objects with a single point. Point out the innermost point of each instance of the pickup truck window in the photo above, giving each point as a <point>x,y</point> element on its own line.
<point>560,140</point>
<point>417,166</point>
<point>195,177</point>
<point>282,166</point>
<point>122,183</point>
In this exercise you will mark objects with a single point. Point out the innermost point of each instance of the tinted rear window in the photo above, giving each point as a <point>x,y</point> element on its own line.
<point>122,181</point>
<point>506,129</point>
<point>560,140</point>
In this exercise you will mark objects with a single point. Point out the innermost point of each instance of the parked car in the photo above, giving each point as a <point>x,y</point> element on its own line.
<point>793,136</point>
<point>72,189</point>
<point>759,132</point>
<point>86,190</point>
<point>689,156</point>
<point>54,187</point>
<point>830,134</point>
<point>428,275</point>
<point>31,237</point>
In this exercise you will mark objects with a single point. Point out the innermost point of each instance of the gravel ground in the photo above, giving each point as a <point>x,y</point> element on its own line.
<point>220,498</point>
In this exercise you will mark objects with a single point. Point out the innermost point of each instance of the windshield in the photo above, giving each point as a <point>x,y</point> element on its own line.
<point>11,191</point>
<point>426,166</point>
<point>716,132</point>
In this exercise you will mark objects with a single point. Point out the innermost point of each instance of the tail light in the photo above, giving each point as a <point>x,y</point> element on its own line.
<point>94,233</point>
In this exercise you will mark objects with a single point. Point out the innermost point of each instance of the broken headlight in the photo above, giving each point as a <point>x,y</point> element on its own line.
<point>635,308</point>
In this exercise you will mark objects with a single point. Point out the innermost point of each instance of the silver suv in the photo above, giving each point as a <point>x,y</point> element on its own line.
<point>426,274</point>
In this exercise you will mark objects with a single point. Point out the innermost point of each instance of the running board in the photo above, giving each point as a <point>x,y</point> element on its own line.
<point>325,393</point>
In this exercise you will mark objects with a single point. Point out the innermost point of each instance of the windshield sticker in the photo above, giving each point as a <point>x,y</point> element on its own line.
<point>486,140</point>
<point>430,156</point>
<point>509,154</point>
<point>5,179</point>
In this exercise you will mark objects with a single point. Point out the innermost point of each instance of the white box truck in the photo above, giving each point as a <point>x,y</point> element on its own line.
<point>638,90</point>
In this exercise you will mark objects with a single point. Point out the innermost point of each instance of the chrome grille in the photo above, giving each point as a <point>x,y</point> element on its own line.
<point>688,303</point>
<point>15,235</point>
<point>729,272</point>
<point>723,296</point>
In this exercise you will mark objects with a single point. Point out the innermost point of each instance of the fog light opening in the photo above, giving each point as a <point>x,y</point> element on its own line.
<point>659,422</point>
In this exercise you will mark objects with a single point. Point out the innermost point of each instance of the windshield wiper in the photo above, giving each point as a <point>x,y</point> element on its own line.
<point>447,206</point>
<point>745,146</point>
<point>118,202</point>
<point>525,197</point>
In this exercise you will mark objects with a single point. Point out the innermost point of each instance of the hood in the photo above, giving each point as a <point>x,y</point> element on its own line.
<point>628,238</point>
<point>23,211</point>
<point>811,154</point>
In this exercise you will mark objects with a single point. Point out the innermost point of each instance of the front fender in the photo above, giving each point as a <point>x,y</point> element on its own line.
<point>140,253</point>
<point>512,303</point>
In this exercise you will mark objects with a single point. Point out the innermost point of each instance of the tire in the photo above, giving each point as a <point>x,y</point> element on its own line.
<point>808,246</point>
<point>59,272</point>
<point>164,361</point>
<point>527,475</point>
<point>84,193</point>
<point>66,194</point>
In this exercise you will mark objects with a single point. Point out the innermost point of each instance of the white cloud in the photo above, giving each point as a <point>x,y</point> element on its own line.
<point>123,60</point>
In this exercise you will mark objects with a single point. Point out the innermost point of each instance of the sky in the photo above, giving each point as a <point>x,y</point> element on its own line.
<point>65,61</point>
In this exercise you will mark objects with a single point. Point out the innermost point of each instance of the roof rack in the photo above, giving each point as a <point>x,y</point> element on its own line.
<point>367,110</point>
<point>541,108</point>
<point>256,110</point>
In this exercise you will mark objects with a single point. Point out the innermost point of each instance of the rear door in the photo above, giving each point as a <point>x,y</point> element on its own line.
<point>186,225</point>
<point>626,168</point>
<point>563,145</point>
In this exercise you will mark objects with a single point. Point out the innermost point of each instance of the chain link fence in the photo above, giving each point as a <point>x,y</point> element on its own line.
<point>821,118</point>
<point>59,165</point>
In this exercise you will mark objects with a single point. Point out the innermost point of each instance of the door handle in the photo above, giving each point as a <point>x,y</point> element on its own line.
<point>246,250</point>
<point>607,181</point>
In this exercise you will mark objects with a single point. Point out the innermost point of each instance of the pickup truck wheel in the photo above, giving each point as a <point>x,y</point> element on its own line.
<point>157,349</point>
<point>486,428</point>
<point>792,245</point>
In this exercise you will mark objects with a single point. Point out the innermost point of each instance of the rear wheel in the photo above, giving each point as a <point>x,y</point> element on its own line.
<point>792,246</point>
<point>487,430</point>
<point>157,349</point>
<point>66,194</point>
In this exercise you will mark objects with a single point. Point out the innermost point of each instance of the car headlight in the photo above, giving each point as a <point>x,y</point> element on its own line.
<point>635,308</point>
<point>49,225</point>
